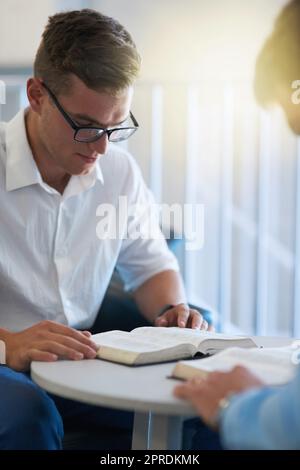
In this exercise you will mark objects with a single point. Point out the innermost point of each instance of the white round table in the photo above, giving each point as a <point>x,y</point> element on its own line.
<point>146,390</point>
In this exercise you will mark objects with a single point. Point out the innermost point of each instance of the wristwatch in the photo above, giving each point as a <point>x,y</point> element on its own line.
<point>2,352</point>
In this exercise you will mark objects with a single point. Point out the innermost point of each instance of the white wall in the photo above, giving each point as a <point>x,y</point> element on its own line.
<point>21,25</point>
<point>188,38</point>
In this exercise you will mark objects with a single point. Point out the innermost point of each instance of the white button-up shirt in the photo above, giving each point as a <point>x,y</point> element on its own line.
<point>52,263</point>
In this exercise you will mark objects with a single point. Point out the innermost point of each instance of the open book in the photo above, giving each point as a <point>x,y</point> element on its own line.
<point>147,345</point>
<point>273,366</point>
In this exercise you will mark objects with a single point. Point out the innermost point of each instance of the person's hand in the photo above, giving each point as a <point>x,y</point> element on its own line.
<point>47,341</point>
<point>183,316</point>
<point>205,393</point>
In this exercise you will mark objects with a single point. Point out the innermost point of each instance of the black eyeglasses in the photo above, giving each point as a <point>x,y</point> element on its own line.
<point>89,134</point>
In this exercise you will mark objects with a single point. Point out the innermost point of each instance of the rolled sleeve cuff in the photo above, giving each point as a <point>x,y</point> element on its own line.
<point>151,271</point>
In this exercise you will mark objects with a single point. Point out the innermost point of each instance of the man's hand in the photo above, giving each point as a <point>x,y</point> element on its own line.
<point>47,341</point>
<point>183,316</point>
<point>205,393</point>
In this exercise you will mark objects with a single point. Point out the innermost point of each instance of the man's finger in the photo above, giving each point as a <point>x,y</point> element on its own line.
<point>87,333</point>
<point>161,321</point>
<point>62,351</point>
<point>71,332</point>
<point>72,343</point>
<point>182,315</point>
<point>204,325</point>
<point>43,356</point>
<point>196,320</point>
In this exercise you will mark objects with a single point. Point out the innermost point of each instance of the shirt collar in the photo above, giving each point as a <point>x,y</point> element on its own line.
<point>21,169</point>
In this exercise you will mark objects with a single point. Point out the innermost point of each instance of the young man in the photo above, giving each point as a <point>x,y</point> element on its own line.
<point>259,417</point>
<point>56,167</point>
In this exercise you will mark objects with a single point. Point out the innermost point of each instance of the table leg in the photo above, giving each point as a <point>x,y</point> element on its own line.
<point>141,431</point>
<point>157,432</point>
<point>166,432</point>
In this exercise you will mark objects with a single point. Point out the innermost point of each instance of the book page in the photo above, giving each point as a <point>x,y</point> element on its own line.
<point>212,346</point>
<point>196,337</point>
<point>271,365</point>
<point>135,343</point>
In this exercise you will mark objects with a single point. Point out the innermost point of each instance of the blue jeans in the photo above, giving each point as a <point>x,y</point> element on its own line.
<point>28,416</point>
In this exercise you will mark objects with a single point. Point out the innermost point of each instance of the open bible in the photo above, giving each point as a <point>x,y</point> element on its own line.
<point>273,366</point>
<point>147,345</point>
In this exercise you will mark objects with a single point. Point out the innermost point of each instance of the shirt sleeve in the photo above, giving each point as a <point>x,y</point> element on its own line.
<point>144,251</point>
<point>268,418</point>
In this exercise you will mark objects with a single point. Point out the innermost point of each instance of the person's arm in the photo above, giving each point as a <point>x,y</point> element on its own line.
<point>166,289</point>
<point>263,419</point>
